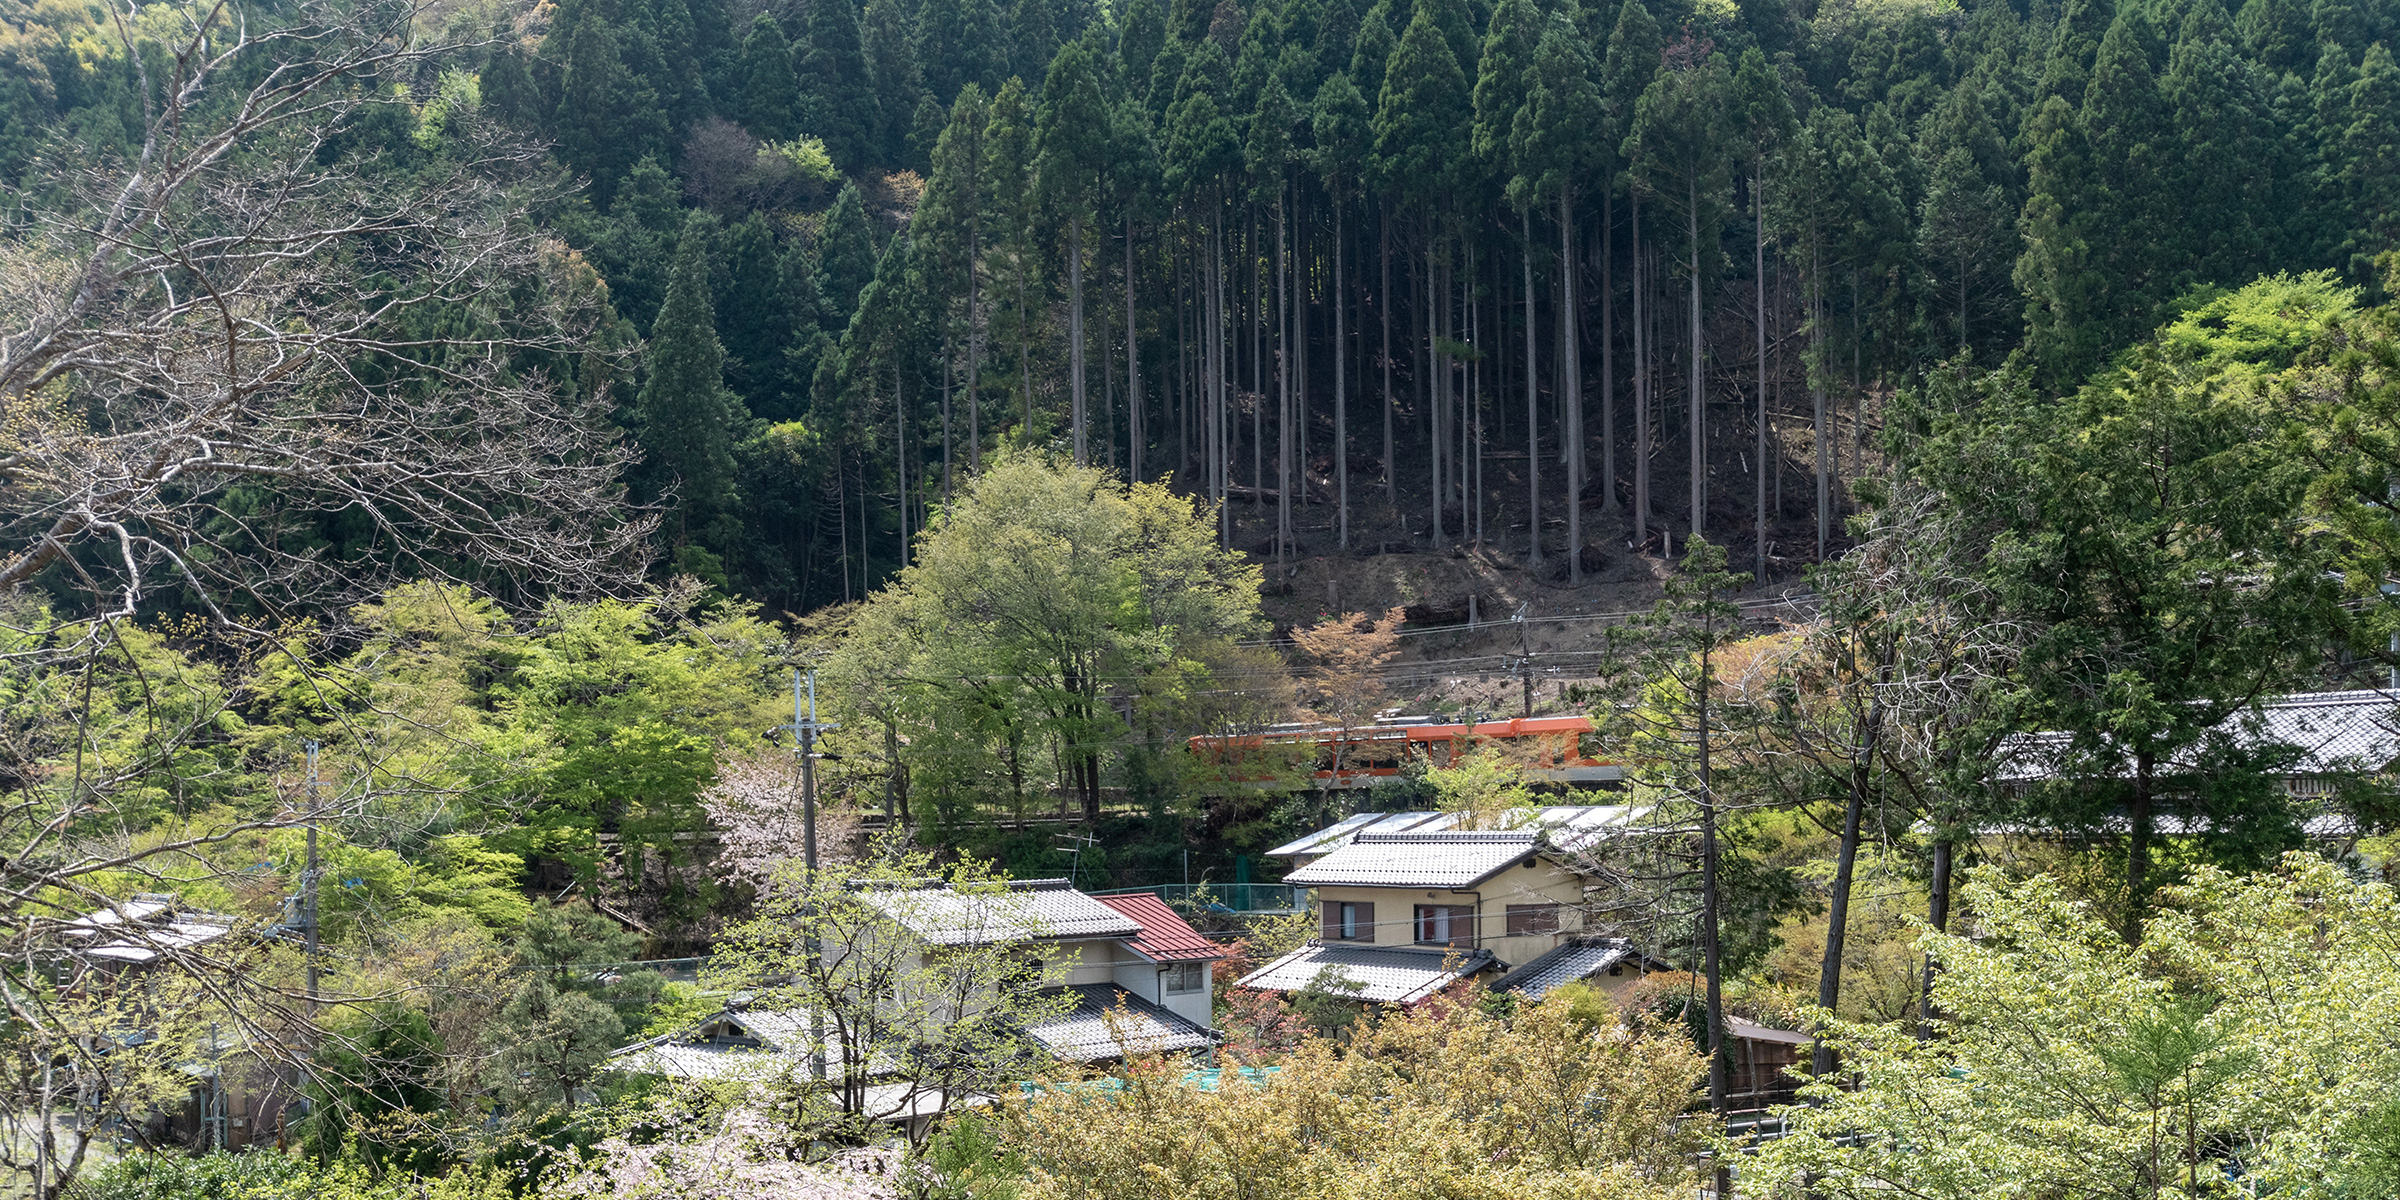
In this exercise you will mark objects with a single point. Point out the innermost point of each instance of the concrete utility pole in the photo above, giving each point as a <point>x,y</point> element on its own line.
<point>1524,659</point>
<point>308,883</point>
<point>805,728</point>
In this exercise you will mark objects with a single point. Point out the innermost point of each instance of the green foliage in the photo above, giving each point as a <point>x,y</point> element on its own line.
<point>687,418</point>
<point>2243,1030</point>
<point>1050,609</point>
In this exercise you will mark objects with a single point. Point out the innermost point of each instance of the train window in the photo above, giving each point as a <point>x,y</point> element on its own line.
<point>1587,745</point>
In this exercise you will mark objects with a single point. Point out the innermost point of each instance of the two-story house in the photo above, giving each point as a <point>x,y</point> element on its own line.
<point>1402,915</point>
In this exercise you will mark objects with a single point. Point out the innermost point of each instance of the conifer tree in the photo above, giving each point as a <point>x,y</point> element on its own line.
<point>1677,154</point>
<point>686,420</point>
<point>1142,30</point>
<point>1424,118</point>
<point>1557,154</point>
<point>2133,146</point>
<point>769,104</point>
<point>1499,100</point>
<point>891,53</point>
<point>1339,126</point>
<point>1072,137</point>
<point>764,315</point>
<point>1376,42</point>
<point>2370,150</point>
<point>608,118</point>
<point>959,42</point>
<point>1033,39</point>
<point>845,256</point>
<point>837,99</point>
<point>2224,186</point>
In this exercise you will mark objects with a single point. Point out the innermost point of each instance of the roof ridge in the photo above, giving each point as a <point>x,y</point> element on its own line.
<point>1465,836</point>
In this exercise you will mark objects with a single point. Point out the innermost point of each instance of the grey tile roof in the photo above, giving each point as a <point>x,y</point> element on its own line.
<point>1429,860</point>
<point>1083,1033</point>
<point>1578,959</point>
<point>2335,733</point>
<point>1027,909</point>
<point>1571,827</point>
<point>1383,974</point>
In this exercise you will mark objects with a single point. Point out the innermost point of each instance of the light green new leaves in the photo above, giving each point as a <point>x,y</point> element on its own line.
<point>2253,1033</point>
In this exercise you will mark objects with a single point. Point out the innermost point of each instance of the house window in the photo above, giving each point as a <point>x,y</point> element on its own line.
<point>1187,977</point>
<point>1349,921</point>
<point>1525,920</point>
<point>1445,925</point>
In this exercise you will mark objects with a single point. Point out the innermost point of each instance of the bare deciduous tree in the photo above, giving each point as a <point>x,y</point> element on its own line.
<point>251,371</point>
<point>249,306</point>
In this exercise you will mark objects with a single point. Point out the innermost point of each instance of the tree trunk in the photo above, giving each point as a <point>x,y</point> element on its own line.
<point>946,366</point>
<point>2137,853</point>
<point>974,355</point>
<point>1641,390</point>
<point>1383,306</point>
<point>1436,408</point>
<point>1258,366</point>
<point>1608,339</point>
<point>1699,428</point>
<point>1533,418</point>
<point>1570,357</point>
<point>1937,914</point>
<point>1283,380</point>
<point>1081,418</point>
<point>1816,387</point>
<point>1709,915</point>
<point>1758,282</point>
<point>1341,390</point>
<point>1837,909</point>
<point>1134,432</point>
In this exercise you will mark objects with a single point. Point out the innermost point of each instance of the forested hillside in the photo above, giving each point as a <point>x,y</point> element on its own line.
<point>1402,273</point>
<point>515,520</point>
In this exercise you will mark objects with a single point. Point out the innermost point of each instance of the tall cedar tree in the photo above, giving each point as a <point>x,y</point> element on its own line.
<point>686,419</point>
<point>845,256</point>
<point>837,99</point>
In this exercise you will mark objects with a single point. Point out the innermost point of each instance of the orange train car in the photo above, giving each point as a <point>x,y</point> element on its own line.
<point>1559,750</point>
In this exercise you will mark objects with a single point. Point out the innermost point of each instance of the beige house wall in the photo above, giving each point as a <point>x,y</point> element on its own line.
<point>1544,882</point>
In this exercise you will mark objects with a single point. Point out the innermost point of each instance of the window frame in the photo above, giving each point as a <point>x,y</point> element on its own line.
<point>1533,920</point>
<point>1450,915</point>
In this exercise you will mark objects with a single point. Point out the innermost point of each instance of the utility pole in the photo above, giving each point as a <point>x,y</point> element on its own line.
<point>805,727</point>
<point>308,883</point>
<point>804,742</point>
<point>1524,658</point>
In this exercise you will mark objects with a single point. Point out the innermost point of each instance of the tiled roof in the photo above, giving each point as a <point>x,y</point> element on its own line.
<point>1165,936</point>
<point>2335,733</point>
<point>1571,827</point>
<point>1025,910</point>
<point>1452,860</point>
<point>1383,974</point>
<point>1083,1034</point>
<point>1578,959</point>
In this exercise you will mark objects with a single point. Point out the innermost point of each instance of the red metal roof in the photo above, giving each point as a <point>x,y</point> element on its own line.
<point>1165,936</point>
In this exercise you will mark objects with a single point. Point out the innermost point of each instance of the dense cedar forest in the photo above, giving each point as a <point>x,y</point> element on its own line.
<point>1432,273</point>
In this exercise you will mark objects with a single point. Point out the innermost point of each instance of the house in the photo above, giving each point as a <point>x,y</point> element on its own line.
<point>238,1091</point>
<point>2328,741</point>
<point>1128,952</point>
<point>1571,828</point>
<point>1605,962</point>
<point>140,930</point>
<point>1129,975</point>
<point>1402,915</point>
